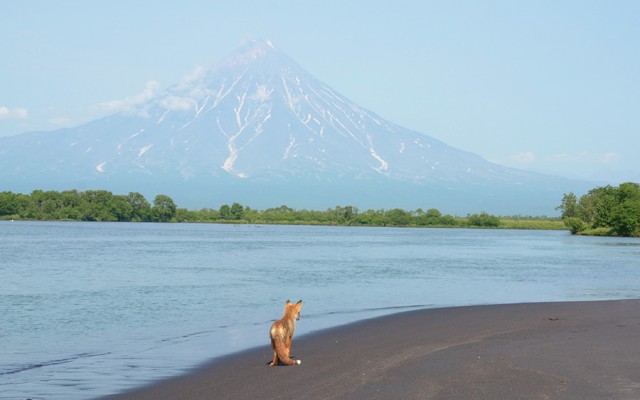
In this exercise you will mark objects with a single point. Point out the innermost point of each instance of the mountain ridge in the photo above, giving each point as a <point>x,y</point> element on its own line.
<point>257,121</point>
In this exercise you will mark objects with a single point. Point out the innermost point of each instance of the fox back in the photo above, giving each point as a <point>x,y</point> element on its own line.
<point>281,334</point>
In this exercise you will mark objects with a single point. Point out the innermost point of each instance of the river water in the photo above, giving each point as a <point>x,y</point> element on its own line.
<point>88,309</point>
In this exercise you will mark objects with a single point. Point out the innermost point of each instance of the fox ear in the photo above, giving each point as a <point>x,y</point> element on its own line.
<point>288,302</point>
<point>300,302</point>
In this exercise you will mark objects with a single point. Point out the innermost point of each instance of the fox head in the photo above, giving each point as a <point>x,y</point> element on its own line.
<point>293,309</point>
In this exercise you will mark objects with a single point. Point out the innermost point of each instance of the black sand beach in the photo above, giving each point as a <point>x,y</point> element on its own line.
<point>574,350</point>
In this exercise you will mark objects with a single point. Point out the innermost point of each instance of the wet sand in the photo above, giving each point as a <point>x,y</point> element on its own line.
<point>574,350</point>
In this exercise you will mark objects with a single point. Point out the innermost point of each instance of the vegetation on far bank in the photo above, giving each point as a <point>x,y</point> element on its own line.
<point>604,211</point>
<point>607,210</point>
<point>102,205</point>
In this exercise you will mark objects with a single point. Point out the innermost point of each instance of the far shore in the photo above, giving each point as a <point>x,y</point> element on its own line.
<point>565,350</point>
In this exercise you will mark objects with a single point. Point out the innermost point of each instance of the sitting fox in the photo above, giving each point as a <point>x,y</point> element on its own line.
<point>282,333</point>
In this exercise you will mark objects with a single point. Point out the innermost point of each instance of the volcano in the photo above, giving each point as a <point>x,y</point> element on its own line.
<point>258,129</point>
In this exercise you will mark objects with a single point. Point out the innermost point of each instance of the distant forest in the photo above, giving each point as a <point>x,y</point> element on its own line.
<point>102,205</point>
<point>604,211</point>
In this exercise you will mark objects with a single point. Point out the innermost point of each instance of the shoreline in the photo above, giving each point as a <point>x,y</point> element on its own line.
<point>567,350</point>
<point>506,222</point>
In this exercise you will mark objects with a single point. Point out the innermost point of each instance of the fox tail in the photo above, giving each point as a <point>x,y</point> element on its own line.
<point>281,351</point>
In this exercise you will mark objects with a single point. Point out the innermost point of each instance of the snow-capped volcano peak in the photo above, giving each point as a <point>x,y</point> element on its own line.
<point>256,116</point>
<point>260,56</point>
<point>252,51</point>
<point>267,108</point>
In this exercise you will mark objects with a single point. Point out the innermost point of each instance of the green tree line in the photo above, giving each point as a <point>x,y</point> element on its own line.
<point>605,210</point>
<point>102,205</point>
<point>90,205</point>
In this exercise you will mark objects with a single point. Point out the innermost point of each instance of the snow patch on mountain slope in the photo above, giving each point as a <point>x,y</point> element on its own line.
<point>262,93</point>
<point>383,164</point>
<point>290,146</point>
<point>144,150</point>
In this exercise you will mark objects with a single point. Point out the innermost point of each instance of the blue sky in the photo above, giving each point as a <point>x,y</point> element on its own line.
<point>551,86</point>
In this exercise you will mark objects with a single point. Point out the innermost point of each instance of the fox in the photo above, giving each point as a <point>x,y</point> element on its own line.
<point>281,334</point>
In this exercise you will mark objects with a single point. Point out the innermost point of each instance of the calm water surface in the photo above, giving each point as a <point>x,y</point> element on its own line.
<point>88,309</point>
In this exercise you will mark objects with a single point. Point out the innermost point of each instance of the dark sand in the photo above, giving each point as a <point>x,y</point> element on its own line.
<point>581,350</point>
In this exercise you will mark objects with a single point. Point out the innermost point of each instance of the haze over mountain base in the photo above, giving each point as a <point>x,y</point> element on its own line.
<point>313,195</point>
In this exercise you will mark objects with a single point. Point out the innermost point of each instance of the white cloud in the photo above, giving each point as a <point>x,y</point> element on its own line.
<point>13,113</point>
<point>585,156</point>
<point>609,158</point>
<point>175,103</point>
<point>190,85</point>
<point>563,157</point>
<point>128,104</point>
<point>192,77</point>
<point>522,158</point>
